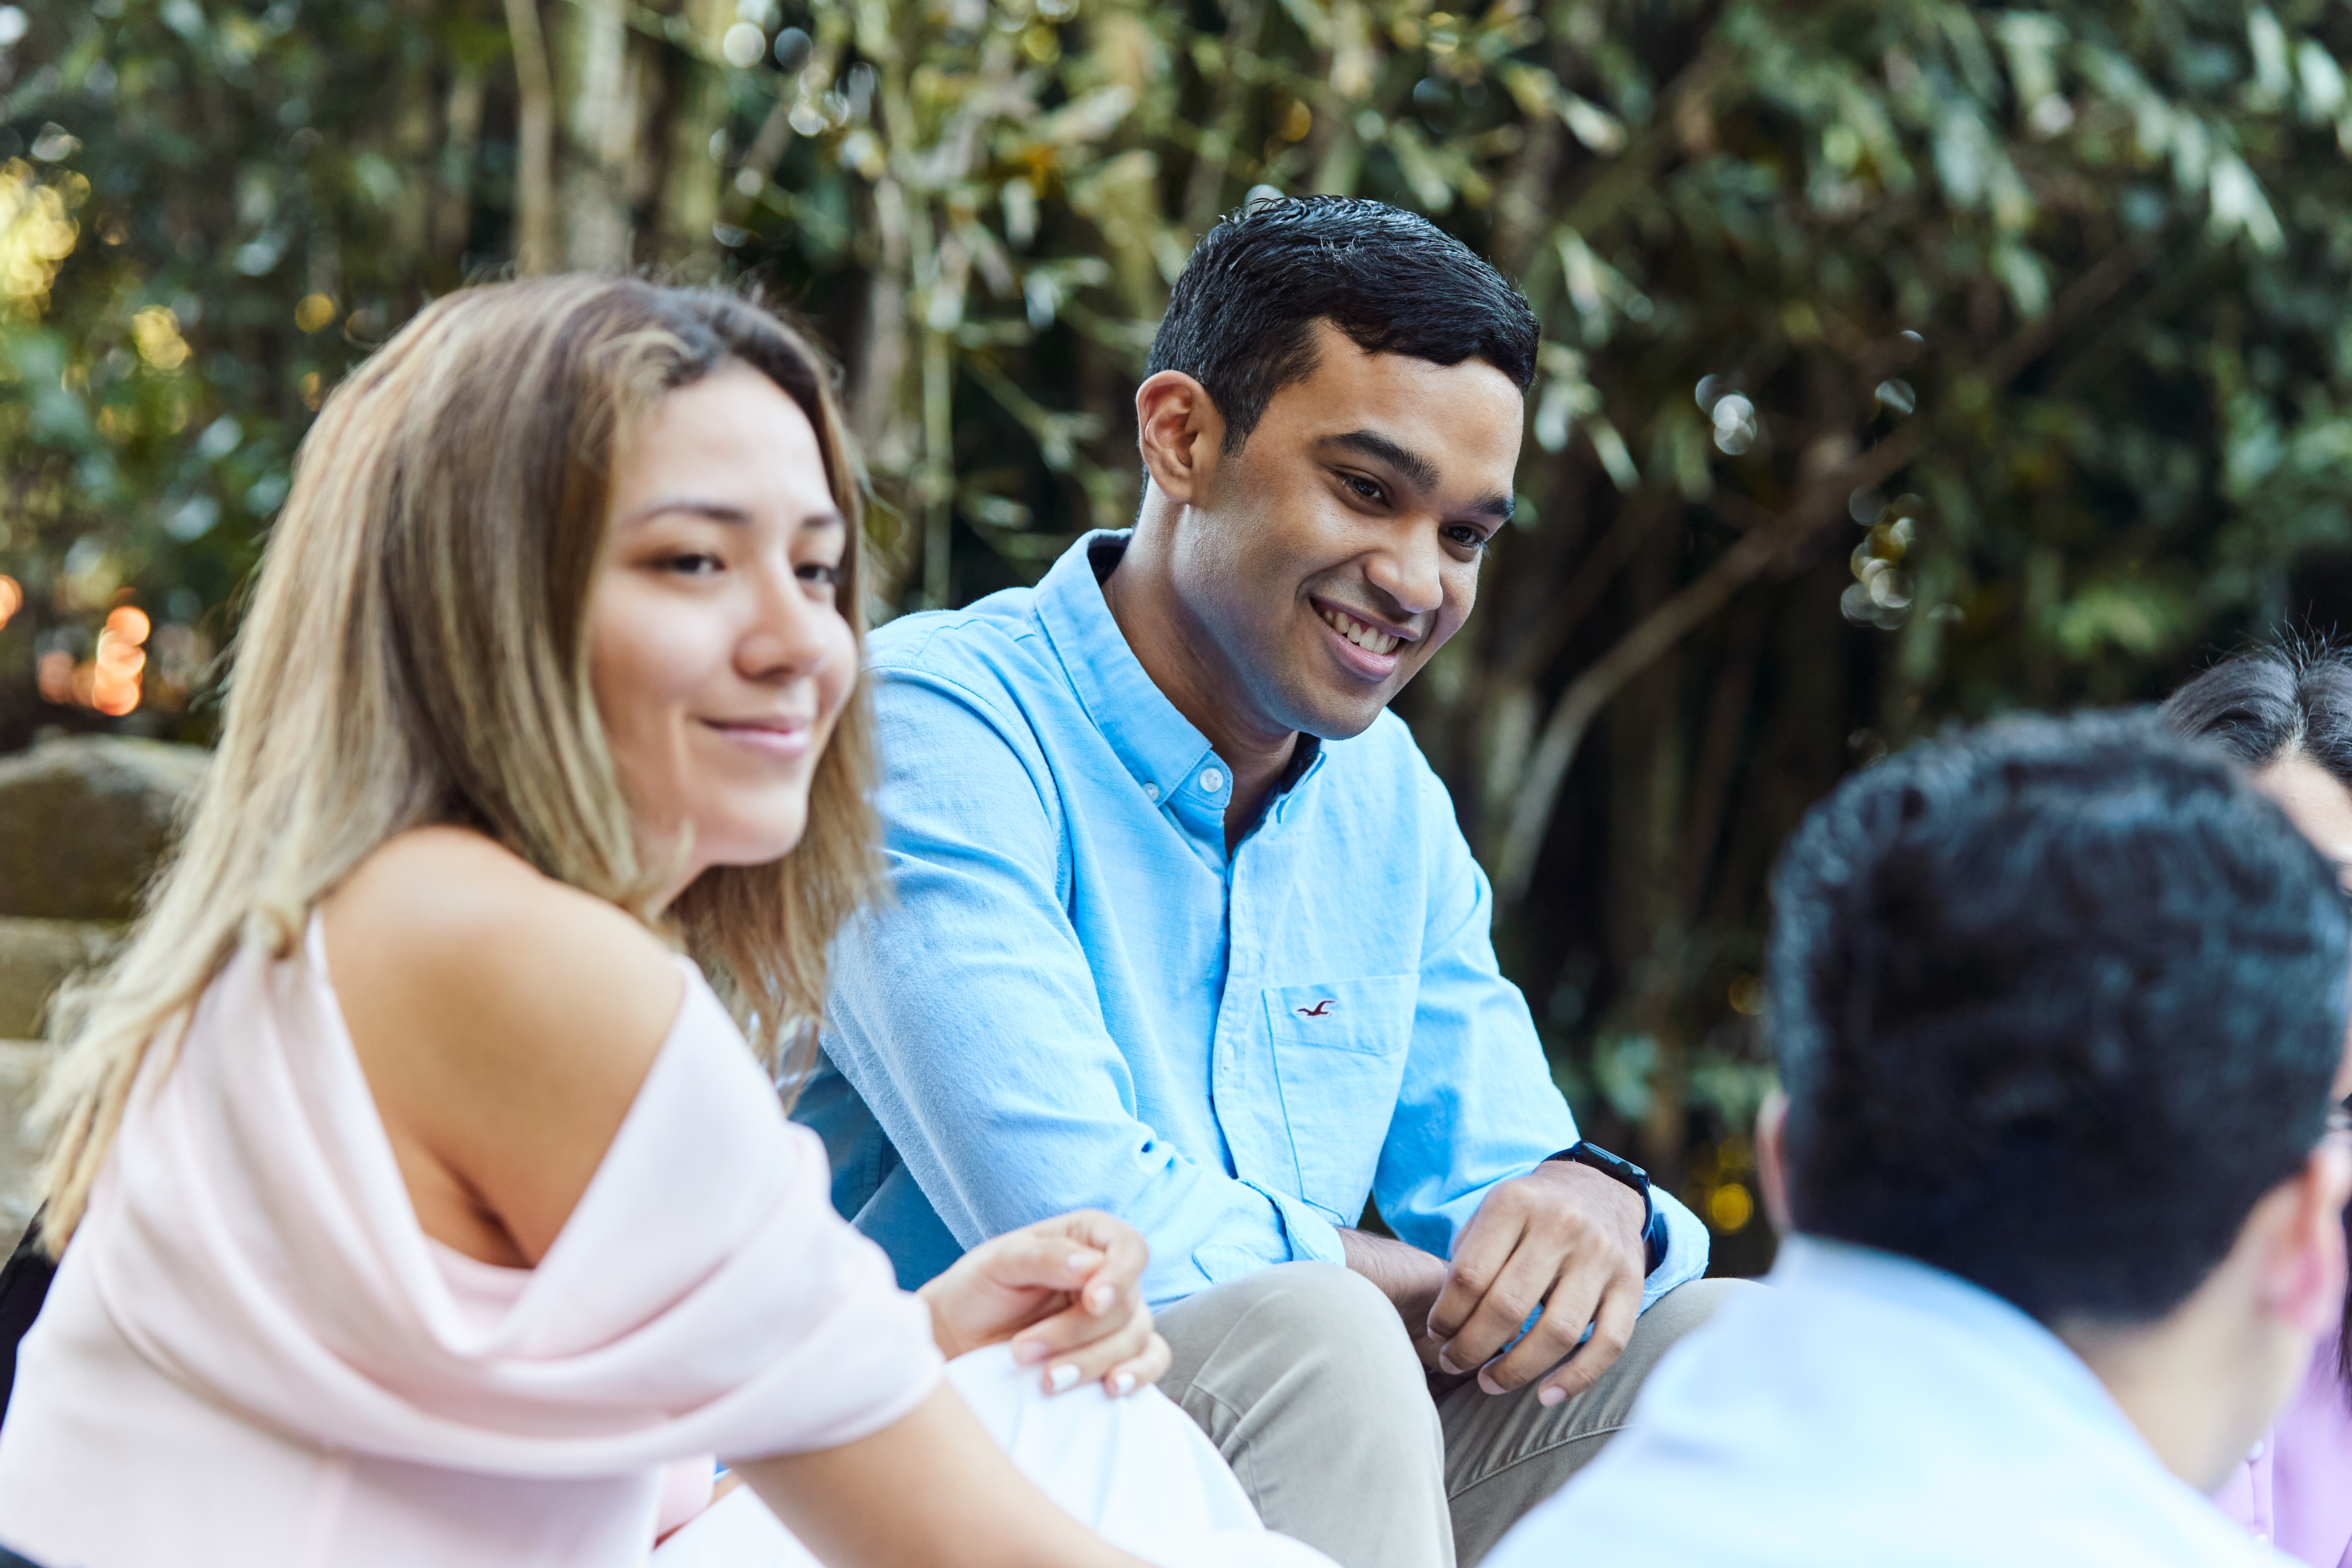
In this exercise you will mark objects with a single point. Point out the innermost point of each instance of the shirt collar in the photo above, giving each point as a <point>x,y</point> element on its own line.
<point>1159,745</point>
<point>1817,1263</point>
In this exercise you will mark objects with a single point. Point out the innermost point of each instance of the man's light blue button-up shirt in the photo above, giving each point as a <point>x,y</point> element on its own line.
<point>1871,1410</point>
<point>1078,998</point>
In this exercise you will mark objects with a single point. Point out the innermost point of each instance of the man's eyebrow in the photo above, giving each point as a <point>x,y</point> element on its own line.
<point>1418,470</point>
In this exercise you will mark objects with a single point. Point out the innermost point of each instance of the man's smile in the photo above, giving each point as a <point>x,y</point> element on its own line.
<point>1371,639</point>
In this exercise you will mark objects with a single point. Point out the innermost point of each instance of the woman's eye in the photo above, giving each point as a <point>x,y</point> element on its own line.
<point>820,572</point>
<point>690,563</point>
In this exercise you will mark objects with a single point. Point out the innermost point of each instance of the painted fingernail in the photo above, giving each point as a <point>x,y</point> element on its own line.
<point>1028,1352</point>
<point>1098,1299</point>
<point>1080,1263</point>
<point>1551,1396</point>
<point>1123,1385</point>
<point>1062,1378</point>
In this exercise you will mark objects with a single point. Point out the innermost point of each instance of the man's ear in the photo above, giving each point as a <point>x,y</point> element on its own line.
<point>1771,1159</point>
<point>1180,434</point>
<point>2302,1277</point>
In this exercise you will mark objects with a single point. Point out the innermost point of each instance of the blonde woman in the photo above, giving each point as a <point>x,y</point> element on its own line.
<point>424,1203</point>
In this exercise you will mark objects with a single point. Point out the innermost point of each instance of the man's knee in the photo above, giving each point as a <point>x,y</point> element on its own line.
<point>1325,1332</point>
<point>1317,1304</point>
<point>1304,1377</point>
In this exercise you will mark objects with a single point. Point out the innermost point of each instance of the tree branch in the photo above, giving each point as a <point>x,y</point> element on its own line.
<point>1593,575</point>
<point>1513,860</point>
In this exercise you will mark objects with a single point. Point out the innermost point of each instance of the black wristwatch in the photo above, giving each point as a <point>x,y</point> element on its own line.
<point>1654,1223</point>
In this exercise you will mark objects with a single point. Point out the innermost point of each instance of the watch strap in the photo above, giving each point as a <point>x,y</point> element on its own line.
<point>1654,1238</point>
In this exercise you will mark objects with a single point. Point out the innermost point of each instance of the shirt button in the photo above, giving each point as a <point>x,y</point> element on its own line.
<point>1211,780</point>
<point>1151,791</point>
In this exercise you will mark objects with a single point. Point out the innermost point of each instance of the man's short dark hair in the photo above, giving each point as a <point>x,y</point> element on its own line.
<point>1241,319</point>
<point>2055,1002</point>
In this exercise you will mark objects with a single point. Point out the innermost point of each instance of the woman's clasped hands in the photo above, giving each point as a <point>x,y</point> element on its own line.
<point>1068,1292</point>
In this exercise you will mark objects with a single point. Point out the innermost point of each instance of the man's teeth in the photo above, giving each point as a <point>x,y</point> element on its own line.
<point>1356,632</point>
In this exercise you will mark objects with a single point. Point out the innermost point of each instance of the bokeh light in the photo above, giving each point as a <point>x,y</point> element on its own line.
<point>109,681</point>
<point>156,333</point>
<point>115,669</point>
<point>37,233</point>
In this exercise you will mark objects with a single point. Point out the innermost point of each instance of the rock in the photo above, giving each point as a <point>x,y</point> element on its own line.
<point>20,1079</point>
<point>83,822</point>
<point>35,957</point>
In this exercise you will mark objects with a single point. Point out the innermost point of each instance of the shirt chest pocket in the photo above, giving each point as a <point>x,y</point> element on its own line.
<point>1338,1056</point>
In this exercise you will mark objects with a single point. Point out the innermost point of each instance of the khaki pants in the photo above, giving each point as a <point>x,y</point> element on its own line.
<point>1304,1378</point>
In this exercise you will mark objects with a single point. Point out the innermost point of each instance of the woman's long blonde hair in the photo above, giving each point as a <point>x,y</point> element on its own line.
<point>416,653</point>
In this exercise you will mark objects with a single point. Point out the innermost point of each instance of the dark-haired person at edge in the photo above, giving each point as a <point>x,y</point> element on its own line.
<point>2285,709</point>
<point>2059,1008</point>
<point>1184,926</point>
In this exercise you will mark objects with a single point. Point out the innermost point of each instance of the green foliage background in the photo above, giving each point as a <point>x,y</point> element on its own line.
<point>1903,361</point>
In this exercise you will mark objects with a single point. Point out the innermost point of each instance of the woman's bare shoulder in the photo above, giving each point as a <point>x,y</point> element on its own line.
<point>504,1021</point>
<point>441,911</point>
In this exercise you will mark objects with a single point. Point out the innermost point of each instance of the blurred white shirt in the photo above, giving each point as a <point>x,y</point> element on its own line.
<point>1872,1410</point>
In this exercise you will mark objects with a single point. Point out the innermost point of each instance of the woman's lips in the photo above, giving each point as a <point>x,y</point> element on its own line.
<point>767,736</point>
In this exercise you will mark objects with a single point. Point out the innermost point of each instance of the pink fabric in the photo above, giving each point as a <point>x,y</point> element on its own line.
<point>486,1293</point>
<point>2295,1491</point>
<point>253,1355</point>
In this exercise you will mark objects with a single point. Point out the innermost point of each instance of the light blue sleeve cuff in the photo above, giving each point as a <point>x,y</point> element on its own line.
<point>1686,1243</point>
<point>1310,1236</point>
<point>1313,1237</point>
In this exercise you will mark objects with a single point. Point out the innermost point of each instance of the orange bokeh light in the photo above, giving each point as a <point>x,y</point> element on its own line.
<point>108,680</point>
<point>12,597</point>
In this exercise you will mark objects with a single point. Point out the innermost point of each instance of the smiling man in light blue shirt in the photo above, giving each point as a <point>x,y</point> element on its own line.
<point>1184,928</point>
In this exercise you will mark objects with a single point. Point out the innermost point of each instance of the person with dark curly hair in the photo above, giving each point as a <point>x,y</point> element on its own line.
<point>2059,1008</point>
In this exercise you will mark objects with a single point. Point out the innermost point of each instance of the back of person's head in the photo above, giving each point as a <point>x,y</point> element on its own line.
<point>415,652</point>
<point>1240,317</point>
<point>2055,1004</point>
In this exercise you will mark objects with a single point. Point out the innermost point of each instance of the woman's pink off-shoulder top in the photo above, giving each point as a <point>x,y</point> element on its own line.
<point>253,1357</point>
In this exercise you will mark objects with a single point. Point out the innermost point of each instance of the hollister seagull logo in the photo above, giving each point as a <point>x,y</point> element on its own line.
<point>1318,1010</point>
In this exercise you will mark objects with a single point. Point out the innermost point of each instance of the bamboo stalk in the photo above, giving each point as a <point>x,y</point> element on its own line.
<point>535,159</point>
